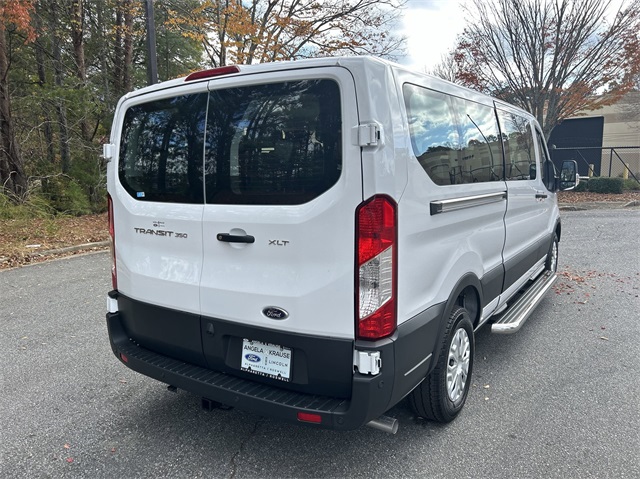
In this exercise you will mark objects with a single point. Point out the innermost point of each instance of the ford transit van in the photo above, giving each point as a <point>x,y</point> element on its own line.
<point>314,241</point>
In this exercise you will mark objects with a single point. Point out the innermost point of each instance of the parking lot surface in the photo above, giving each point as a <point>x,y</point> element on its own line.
<point>561,398</point>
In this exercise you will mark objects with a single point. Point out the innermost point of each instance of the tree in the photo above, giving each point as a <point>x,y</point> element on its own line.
<point>14,14</point>
<point>550,57</point>
<point>447,69</point>
<point>241,32</point>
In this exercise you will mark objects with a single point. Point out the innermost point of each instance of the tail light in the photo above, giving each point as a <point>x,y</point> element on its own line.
<point>112,245</point>
<point>214,72</point>
<point>376,276</point>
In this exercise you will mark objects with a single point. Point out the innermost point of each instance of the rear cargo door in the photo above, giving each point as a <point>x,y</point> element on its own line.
<point>158,198</point>
<point>282,182</point>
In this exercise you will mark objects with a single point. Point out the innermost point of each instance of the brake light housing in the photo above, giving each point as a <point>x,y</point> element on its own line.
<point>376,268</point>
<point>213,72</point>
<point>112,243</point>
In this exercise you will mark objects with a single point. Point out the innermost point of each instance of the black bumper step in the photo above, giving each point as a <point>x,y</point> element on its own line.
<point>188,376</point>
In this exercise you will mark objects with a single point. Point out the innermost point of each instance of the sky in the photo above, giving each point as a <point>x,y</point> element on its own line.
<point>431,27</point>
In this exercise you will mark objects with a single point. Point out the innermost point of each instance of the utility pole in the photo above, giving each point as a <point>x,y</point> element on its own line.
<point>152,64</point>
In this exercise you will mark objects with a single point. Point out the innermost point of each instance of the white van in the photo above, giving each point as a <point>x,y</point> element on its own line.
<point>315,240</point>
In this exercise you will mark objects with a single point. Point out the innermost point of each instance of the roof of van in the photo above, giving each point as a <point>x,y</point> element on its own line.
<point>275,66</point>
<point>345,61</point>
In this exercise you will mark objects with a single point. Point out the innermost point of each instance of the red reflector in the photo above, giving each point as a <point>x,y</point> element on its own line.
<point>308,417</point>
<point>124,358</point>
<point>213,72</point>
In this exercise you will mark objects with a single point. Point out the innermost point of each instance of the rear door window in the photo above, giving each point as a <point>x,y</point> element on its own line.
<point>271,144</point>
<point>161,149</point>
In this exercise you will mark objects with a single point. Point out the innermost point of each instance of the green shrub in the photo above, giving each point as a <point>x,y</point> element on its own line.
<point>631,184</point>
<point>605,185</point>
<point>65,195</point>
<point>34,206</point>
<point>582,186</point>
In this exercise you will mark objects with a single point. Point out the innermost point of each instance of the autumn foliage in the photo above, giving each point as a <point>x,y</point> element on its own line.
<point>65,63</point>
<point>552,58</point>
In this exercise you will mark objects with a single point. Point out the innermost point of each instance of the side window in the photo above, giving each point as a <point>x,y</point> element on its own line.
<point>548,169</point>
<point>520,158</point>
<point>455,140</point>
<point>434,133</point>
<point>481,156</point>
<point>161,150</point>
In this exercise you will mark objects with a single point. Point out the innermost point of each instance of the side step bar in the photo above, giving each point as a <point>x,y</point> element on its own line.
<point>514,317</point>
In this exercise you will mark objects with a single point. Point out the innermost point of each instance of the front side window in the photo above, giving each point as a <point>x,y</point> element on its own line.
<point>519,153</point>
<point>161,149</point>
<point>548,169</point>
<point>272,144</point>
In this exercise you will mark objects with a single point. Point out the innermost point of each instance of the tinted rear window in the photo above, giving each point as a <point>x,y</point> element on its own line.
<point>161,150</point>
<point>269,144</point>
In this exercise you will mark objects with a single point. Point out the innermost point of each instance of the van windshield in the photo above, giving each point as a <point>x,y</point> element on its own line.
<point>278,143</point>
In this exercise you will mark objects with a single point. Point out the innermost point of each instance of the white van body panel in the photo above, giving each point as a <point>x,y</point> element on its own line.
<point>298,261</point>
<point>160,269</point>
<point>435,251</point>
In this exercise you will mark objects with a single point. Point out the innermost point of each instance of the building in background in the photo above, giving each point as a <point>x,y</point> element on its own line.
<point>607,138</point>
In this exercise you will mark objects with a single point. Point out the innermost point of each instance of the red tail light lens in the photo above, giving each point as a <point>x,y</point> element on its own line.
<point>213,72</point>
<point>376,278</point>
<point>112,246</point>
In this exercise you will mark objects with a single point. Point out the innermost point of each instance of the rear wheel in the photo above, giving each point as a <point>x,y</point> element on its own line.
<point>442,394</point>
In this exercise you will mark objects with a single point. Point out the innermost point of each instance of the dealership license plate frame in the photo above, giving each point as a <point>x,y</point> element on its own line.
<point>266,359</point>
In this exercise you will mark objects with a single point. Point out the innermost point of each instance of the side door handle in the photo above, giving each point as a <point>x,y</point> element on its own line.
<point>229,238</point>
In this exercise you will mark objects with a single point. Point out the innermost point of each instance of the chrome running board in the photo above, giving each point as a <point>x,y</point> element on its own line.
<point>514,317</point>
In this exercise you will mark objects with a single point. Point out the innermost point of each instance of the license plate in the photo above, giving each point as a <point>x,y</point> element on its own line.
<point>266,359</point>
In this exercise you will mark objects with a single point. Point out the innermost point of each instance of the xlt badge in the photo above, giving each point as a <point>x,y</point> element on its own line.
<point>277,242</point>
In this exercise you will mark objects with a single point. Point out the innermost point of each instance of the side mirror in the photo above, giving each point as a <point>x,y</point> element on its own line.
<point>569,178</point>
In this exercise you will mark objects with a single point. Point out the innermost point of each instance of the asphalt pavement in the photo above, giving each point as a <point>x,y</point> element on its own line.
<point>559,399</point>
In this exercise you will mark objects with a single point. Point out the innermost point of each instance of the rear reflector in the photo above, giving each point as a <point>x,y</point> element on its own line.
<point>376,269</point>
<point>124,358</point>
<point>308,417</point>
<point>213,72</point>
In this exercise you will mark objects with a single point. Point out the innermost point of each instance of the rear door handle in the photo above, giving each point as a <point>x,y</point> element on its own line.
<point>228,238</point>
<point>540,195</point>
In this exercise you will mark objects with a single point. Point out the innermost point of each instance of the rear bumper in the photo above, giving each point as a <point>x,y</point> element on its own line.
<point>249,395</point>
<point>370,396</point>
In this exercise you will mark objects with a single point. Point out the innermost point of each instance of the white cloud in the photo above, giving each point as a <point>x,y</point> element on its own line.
<point>431,27</point>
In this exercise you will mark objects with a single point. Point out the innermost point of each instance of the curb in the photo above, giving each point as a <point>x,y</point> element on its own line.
<point>66,249</point>
<point>596,205</point>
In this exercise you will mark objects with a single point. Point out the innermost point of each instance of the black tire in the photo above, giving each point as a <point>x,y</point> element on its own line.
<point>551,263</point>
<point>431,399</point>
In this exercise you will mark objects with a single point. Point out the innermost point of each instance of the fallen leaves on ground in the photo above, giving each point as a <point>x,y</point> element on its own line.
<point>22,241</point>
<point>572,197</point>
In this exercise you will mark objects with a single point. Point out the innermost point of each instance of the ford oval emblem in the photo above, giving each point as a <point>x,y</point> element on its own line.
<point>252,357</point>
<point>272,312</point>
